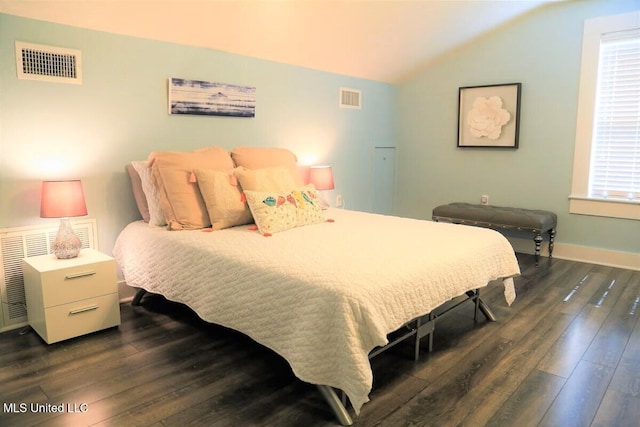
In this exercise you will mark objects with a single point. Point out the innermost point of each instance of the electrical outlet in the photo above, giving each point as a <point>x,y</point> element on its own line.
<point>339,201</point>
<point>484,199</point>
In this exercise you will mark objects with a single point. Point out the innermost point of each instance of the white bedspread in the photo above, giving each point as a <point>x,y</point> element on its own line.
<point>322,296</point>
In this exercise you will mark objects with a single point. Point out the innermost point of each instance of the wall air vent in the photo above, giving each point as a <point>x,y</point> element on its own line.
<point>350,98</point>
<point>48,63</point>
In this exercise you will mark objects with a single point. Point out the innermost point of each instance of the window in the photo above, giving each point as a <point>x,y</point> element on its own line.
<point>615,155</point>
<point>606,179</point>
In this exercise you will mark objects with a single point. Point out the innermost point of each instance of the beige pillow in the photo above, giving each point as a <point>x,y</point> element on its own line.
<point>276,211</point>
<point>223,198</point>
<point>180,198</point>
<point>267,157</point>
<point>268,179</point>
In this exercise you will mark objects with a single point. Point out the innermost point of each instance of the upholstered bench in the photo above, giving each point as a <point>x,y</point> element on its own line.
<point>534,221</point>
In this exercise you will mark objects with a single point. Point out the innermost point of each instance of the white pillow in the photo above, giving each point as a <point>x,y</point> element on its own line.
<point>156,217</point>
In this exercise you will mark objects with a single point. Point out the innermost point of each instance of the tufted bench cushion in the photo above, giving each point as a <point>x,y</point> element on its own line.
<point>531,220</point>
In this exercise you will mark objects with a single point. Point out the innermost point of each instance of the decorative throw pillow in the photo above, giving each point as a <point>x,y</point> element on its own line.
<point>267,179</point>
<point>180,198</point>
<point>138,192</point>
<point>156,217</point>
<point>267,157</point>
<point>275,211</point>
<point>223,198</point>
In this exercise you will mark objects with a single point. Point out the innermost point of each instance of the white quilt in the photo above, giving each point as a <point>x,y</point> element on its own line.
<point>322,296</point>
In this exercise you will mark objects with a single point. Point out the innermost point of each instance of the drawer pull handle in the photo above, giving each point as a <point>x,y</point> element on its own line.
<point>79,275</point>
<point>82,310</point>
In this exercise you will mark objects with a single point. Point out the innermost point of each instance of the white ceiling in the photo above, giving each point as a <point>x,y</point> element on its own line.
<point>373,39</point>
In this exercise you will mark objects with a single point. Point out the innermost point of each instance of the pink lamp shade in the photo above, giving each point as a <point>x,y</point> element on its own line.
<point>63,199</point>
<point>321,177</point>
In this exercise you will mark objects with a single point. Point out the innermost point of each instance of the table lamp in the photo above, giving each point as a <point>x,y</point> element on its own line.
<point>63,199</point>
<point>322,179</point>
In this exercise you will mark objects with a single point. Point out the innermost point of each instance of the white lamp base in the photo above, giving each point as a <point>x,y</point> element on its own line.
<point>66,244</point>
<point>324,204</point>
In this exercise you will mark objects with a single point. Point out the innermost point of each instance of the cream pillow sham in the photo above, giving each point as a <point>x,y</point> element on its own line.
<point>267,157</point>
<point>180,198</point>
<point>223,198</point>
<point>267,179</point>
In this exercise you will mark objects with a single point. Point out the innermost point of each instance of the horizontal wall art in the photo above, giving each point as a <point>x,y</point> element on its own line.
<point>489,116</point>
<point>211,99</point>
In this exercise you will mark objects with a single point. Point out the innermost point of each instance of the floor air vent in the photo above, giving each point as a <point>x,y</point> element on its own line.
<point>48,63</point>
<point>350,98</point>
<point>20,242</point>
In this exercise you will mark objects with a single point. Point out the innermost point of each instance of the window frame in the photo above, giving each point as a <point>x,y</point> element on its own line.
<point>579,200</point>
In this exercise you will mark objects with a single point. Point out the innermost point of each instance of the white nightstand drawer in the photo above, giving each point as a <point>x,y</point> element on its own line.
<point>78,282</point>
<point>79,318</point>
<point>71,297</point>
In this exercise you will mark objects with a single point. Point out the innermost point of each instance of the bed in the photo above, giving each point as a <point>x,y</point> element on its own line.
<point>240,238</point>
<point>325,295</point>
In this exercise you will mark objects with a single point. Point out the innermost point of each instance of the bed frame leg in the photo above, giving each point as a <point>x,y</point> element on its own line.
<point>482,306</point>
<point>335,404</point>
<point>486,310</point>
<point>416,343</point>
<point>138,296</point>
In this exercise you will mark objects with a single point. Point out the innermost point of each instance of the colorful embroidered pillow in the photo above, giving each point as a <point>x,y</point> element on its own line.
<point>275,211</point>
<point>223,198</point>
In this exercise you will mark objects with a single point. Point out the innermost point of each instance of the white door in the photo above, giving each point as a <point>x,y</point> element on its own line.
<point>384,180</point>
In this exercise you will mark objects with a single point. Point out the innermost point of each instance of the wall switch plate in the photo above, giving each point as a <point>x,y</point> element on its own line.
<point>484,199</point>
<point>339,201</point>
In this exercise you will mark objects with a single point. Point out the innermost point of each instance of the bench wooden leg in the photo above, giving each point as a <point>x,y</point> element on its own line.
<point>552,236</point>
<point>538,241</point>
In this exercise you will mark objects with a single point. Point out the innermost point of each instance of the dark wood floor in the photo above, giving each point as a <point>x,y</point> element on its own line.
<point>567,353</point>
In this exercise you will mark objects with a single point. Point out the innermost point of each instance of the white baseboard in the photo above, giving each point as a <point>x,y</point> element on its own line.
<point>619,259</point>
<point>125,292</point>
<point>4,328</point>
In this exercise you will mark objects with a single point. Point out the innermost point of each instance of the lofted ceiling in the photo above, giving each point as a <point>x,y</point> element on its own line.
<point>380,40</point>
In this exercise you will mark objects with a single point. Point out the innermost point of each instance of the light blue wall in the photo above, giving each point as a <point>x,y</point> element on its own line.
<point>120,114</point>
<point>543,52</point>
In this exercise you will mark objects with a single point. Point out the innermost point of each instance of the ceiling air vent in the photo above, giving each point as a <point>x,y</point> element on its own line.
<point>350,98</point>
<point>48,63</point>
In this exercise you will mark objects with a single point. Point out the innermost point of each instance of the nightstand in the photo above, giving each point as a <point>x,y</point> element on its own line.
<point>71,297</point>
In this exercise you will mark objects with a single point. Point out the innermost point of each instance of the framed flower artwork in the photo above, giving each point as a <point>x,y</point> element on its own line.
<point>489,116</point>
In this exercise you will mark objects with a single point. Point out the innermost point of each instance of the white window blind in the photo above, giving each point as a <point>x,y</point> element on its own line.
<point>615,157</point>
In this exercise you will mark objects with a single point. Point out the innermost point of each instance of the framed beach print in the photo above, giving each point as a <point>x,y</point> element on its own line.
<point>206,98</point>
<point>489,116</point>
